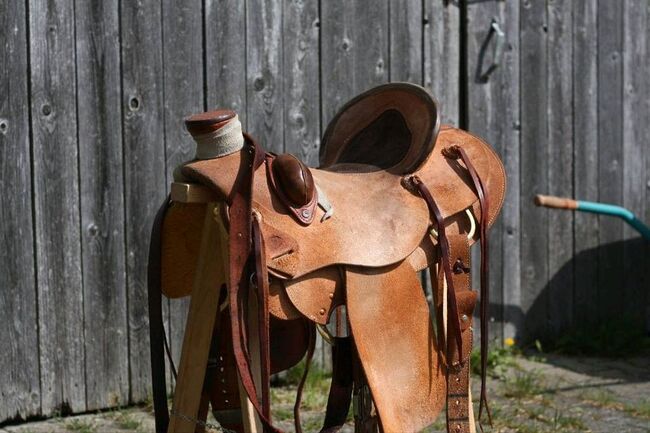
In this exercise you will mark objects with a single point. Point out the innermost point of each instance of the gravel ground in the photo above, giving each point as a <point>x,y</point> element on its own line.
<point>556,394</point>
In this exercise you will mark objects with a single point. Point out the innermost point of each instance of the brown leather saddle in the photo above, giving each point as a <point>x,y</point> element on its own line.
<point>396,193</point>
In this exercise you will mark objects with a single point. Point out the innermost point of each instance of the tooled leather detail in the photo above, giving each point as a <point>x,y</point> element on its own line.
<point>293,184</point>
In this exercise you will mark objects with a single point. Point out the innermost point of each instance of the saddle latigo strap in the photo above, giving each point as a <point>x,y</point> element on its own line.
<point>239,248</point>
<point>457,152</point>
<point>459,413</point>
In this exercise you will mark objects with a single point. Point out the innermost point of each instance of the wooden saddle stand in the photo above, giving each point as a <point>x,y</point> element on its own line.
<point>270,250</point>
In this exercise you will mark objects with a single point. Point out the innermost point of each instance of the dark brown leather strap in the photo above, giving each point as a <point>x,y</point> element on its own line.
<point>452,318</point>
<point>340,395</point>
<point>301,386</point>
<point>239,247</point>
<point>262,285</point>
<point>223,381</point>
<point>458,369</point>
<point>457,152</point>
<point>156,326</point>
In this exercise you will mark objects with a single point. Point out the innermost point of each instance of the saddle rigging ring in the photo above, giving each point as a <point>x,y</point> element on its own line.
<point>472,225</point>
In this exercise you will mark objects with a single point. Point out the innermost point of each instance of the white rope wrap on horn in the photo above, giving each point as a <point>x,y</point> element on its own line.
<point>224,141</point>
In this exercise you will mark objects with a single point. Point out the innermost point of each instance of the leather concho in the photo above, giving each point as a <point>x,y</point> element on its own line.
<point>292,182</point>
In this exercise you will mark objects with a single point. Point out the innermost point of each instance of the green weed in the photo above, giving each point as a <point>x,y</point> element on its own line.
<point>79,426</point>
<point>523,384</point>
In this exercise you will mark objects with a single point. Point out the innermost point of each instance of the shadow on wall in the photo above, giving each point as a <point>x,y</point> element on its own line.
<point>598,303</point>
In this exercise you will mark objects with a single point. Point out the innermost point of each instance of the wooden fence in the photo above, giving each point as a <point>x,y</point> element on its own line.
<point>92,96</point>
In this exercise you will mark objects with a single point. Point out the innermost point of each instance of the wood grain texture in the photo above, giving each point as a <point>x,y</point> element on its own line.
<point>19,334</point>
<point>493,94</point>
<point>183,91</point>
<point>559,105</point>
<point>406,30</point>
<point>102,203</point>
<point>225,55</point>
<point>144,168</point>
<point>636,131</point>
<point>442,56</point>
<point>510,154</point>
<point>534,166</point>
<point>354,51</point>
<point>264,83</point>
<point>646,179</point>
<point>56,206</point>
<point>610,155</point>
<point>300,37</point>
<point>585,156</point>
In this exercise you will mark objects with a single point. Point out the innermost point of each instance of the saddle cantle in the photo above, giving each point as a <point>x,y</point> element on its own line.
<point>396,193</point>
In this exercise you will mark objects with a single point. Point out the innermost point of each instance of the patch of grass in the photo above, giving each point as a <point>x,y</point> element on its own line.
<point>639,410</point>
<point>600,399</point>
<point>562,423</point>
<point>79,426</point>
<point>294,374</point>
<point>127,422</point>
<point>282,413</point>
<point>498,360</point>
<point>523,384</point>
<point>317,385</point>
<point>612,338</point>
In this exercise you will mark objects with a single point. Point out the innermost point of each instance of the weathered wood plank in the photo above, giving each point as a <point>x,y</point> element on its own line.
<point>585,156</point>
<point>406,29</point>
<point>264,84</point>
<point>559,105</point>
<point>19,336</point>
<point>442,56</point>
<point>225,55</point>
<point>493,93</point>
<point>646,178</point>
<point>534,166</point>
<point>300,32</point>
<point>102,203</point>
<point>636,131</point>
<point>183,92</point>
<point>511,224</point>
<point>610,155</point>
<point>56,206</point>
<point>144,168</point>
<point>354,57</point>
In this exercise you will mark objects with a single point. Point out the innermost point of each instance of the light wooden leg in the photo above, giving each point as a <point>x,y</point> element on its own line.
<point>210,276</point>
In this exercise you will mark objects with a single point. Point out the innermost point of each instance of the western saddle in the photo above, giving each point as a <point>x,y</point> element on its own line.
<point>396,193</point>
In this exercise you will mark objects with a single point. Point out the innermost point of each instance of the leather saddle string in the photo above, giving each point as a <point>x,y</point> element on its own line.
<point>311,330</point>
<point>156,326</point>
<point>239,247</point>
<point>456,152</point>
<point>453,318</point>
<point>262,277</point>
